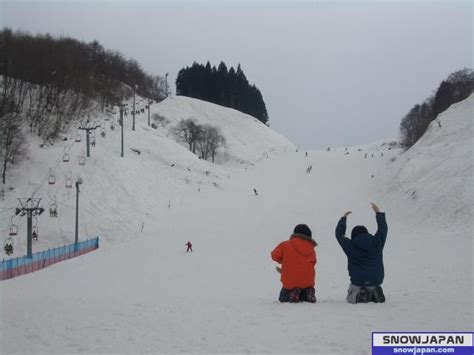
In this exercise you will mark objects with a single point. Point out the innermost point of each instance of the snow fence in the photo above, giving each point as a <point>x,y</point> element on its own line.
<point>23,265</point>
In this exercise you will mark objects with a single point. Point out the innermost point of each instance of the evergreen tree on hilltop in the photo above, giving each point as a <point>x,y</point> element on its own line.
<point>221,86</point>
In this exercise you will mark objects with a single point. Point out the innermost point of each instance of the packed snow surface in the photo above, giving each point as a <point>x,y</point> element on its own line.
<point>141,293</point>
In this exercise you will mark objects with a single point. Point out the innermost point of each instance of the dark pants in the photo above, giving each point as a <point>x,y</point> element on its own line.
<point>304,295</point>
<point>365,294</point>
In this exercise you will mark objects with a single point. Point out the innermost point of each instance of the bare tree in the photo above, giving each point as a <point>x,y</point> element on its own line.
<point>188,131</point>
<point>12,144</point>
<point>159,120</point>
<point>210,140</point>
<point>217,140</point>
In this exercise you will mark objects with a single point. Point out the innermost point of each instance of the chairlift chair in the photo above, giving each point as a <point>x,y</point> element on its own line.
<point>13,228</point>
<point>82,160</point>
<point>68,180</point>
<point>65,157</point>
<point>102,133</point>
<point>78,137</point>
<point>8,245</point>
<point>53,209</point>
<point>35,231</point>
<point>51,178</point>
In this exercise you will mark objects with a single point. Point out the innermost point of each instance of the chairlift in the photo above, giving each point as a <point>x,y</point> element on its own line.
<point>102,133</point>
<point>65,157</point>
<point>35,231</point>
<point>8,245</point>
<point>78,137</point>
<point>13,228</point>
<point>53,209</point>
<point>51,178</point>
<point>68,180</point>
<point>82,160</point>
<point>112,127</point>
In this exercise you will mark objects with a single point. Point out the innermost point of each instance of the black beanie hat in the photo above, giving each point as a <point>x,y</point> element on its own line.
<point>358,230</point>
<point>302,229</point>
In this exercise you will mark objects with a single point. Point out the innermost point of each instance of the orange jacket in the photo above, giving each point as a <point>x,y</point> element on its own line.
<point>297,257</point>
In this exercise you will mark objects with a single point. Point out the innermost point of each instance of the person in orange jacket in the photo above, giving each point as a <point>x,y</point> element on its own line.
<point>297,257</point>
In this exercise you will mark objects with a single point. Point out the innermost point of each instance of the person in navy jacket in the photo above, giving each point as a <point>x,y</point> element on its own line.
<point>364,253</point>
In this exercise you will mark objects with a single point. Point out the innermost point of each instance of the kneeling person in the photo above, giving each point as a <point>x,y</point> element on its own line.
<point>364,259</point>
<point>297,257</point>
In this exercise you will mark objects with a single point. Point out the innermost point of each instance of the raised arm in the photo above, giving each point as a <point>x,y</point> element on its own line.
<point>382,227</point>
<point>341,232</point>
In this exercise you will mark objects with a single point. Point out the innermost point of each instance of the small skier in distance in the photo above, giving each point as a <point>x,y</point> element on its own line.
<point>255,192</point>
<point>190,247</point>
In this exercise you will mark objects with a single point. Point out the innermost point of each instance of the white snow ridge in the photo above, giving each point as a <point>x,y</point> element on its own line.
<point>141,293</point>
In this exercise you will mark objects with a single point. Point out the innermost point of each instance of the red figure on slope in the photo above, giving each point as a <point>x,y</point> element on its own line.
<point>190,247</point>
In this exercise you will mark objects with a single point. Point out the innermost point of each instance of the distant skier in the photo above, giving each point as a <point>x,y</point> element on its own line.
<point>365,259</point>
<point>34,235</point>
<point>297,257</point>
<point>255,192</point>
<point>306,154</point>
<point>190,247</point>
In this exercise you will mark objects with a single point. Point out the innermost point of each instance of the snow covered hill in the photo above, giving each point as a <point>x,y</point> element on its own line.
<point>120,196</point>
<point>436,173</point>
<point>141,293</point>
<point>247,138</point>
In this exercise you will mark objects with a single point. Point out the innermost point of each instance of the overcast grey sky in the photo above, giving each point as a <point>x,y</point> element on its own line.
<point>332,73</point>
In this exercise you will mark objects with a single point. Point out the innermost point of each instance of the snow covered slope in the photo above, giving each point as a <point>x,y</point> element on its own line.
<point>247,138</point>
<point>121,195</point>
<point>436,174</point>
<point>141,293</point>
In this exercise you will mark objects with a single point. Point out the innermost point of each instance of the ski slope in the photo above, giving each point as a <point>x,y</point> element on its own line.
<point>141,293</point>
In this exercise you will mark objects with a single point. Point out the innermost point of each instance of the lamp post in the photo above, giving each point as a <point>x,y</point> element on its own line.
<point>135,87</point>
<point>78,182</point>
<point>148,107</point>
<point>122,108</point>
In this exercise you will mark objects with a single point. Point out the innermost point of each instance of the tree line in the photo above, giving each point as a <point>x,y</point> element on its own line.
<point>224,87</point>
<point>457,87</point>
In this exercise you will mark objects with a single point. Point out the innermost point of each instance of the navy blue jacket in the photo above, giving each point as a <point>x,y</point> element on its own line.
<point>364,253</point>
